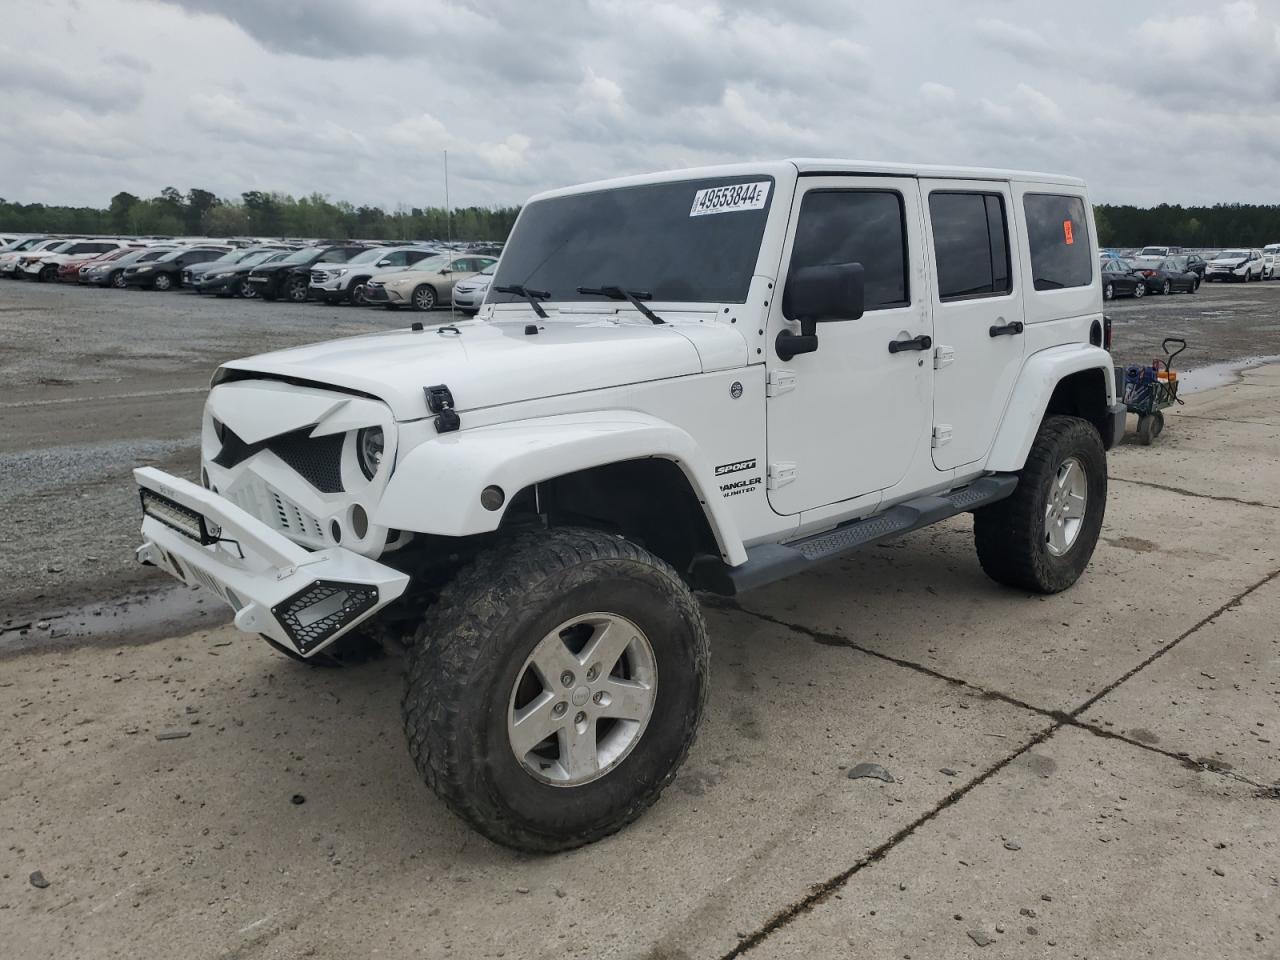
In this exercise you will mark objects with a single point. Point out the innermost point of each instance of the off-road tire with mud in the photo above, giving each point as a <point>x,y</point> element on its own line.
<point>1010,535</point>
<point>469,653</point>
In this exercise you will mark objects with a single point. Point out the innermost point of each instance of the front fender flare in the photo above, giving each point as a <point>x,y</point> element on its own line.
<point>436,486</point>
<point>1040,375</point>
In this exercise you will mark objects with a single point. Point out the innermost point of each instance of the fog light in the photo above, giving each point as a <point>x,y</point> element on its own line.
<point>359,521</point>
<point>492,498</point>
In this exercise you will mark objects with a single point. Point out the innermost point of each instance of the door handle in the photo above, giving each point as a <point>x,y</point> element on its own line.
<point>1007,329</point>
<point>922,342</point>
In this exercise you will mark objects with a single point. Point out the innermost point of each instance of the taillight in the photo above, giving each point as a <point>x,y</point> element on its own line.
<point>1106,332</point>
<point>1148,273</point>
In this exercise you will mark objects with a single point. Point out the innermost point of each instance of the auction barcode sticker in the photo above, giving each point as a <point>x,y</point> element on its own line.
<point>730,199</point>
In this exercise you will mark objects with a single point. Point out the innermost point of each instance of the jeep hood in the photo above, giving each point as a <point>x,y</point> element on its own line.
<point>486,363</point>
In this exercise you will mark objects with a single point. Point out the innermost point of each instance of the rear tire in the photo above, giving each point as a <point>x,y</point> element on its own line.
<point>1109,292</point>
<point>478,663</point>
<point>1013,536</point>
<point>1140,290</point>
<point>1167,287</point>
<point>296,290</point>
<point>423,297</point>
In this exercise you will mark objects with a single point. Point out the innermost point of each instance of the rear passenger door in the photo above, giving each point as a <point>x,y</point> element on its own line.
<point>977,314</point>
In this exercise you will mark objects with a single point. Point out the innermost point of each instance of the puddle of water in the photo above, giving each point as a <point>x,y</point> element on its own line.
<point>134,618</point>
<point>1219,374</point>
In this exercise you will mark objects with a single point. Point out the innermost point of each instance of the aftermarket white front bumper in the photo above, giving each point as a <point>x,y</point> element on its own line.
<point>300,598</point>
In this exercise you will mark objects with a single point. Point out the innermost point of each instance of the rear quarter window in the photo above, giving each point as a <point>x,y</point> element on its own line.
<point>1058,241</point>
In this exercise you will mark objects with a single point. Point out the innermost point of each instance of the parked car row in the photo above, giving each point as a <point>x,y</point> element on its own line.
<point>419,276</point>
<point>1141,276</point>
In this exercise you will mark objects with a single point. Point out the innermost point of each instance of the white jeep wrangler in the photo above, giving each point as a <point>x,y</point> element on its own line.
<point>699,380</point>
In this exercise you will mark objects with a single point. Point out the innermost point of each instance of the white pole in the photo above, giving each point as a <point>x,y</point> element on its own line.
<point>448,212</point>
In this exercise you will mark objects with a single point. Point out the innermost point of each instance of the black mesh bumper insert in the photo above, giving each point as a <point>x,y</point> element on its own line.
<point>316,612</point>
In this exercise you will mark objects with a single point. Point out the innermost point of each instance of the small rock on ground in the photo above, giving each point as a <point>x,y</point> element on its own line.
<point>873,770</point>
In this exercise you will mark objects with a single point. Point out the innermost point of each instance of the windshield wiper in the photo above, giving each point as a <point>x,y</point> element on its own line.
<point>533,296</point>
<point>631,296</point>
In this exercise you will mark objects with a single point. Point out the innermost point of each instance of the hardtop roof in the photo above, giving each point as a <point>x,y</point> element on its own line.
<point>811,166</point>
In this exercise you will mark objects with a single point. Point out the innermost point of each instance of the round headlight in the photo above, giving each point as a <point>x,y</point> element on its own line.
<point>369,450</point>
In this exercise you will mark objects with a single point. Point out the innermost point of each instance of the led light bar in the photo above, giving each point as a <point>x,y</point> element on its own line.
<point>174,515</point>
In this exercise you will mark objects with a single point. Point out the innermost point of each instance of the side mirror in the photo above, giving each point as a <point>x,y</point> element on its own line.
<point>820,294</point>
<point>382,263</point>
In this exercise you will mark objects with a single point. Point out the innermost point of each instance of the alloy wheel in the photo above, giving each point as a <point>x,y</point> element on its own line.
<point>1064,512</point>
<point>582,699</point>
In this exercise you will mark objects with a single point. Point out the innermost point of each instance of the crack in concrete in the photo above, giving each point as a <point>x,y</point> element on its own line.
<point>1059,719</point>
<point>1192,493</point>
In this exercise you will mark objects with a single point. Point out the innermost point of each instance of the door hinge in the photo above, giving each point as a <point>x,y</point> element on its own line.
<point>781,473</point>
<point>943,356</point>
<point>941,434</point>
<point>779,382</point>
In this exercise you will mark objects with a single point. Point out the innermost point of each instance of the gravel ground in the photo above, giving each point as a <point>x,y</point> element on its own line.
<point>99,381</point>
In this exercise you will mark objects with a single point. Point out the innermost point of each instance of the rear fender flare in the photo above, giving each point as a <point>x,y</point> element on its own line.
<point>1040,375</point>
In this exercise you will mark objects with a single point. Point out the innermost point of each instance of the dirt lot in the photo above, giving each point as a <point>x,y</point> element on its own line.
<point>1093,774</point>
<point>98,381</point>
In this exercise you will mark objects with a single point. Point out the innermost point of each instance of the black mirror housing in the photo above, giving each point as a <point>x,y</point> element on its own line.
<point>827,292</point>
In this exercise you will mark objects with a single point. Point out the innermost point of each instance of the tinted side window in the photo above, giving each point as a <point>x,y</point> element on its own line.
<point>857,226</point>
<point>970,244</point>
<point>1058,238</point>
<point>413,256</point>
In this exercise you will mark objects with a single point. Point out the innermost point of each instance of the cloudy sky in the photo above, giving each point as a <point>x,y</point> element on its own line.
<point>1176,101</point>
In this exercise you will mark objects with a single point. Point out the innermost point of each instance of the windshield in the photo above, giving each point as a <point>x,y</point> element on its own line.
<point>430,263</point>
<point>1234,255</point>
<point>255,256</point>
<point>148,255</point>
<point>1271,248</point>
<point>488,271</point>
<point>680,241</point>
<point>338,255</point>
<point>370,255</point>
<point>1153,251</point>
<point>305,255</point>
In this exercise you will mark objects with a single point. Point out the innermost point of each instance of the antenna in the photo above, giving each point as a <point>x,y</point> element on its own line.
<point>448,213</point>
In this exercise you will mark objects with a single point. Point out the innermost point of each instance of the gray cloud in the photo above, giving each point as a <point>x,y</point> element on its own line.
<point>358,100</point>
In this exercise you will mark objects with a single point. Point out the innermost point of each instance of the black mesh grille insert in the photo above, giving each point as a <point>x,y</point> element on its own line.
<point>318,460</point>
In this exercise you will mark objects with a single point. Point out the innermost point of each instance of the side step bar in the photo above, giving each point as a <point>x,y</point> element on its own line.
<point>773,561</point>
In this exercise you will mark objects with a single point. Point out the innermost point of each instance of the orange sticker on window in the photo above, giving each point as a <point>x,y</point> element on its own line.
<point>1066,232</point>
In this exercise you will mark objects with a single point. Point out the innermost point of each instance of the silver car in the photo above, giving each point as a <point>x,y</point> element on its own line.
<point>468,295</point>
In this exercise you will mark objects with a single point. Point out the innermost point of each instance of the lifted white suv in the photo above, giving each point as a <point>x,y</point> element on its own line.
<point>706,379</point>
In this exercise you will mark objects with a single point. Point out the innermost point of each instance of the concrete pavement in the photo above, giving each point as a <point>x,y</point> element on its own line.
<point>1105,759</point>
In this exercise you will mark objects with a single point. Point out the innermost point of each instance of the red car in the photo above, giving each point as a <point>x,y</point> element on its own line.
<point>72,271</point>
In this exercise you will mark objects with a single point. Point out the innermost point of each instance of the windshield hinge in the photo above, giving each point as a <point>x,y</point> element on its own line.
<point>779,382</point>
<point>941,434</point>
<point>943,356</point>
<point>781,473</point>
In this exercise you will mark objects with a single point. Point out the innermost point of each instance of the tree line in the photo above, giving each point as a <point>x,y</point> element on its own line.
<point>1222,225</point>
<point>255,213</point>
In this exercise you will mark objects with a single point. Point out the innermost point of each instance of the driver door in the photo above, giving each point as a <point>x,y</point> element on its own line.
<point>849,418</point>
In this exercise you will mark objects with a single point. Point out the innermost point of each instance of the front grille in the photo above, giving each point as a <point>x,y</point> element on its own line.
<point>318,460</point>
<point>319,276</point>
<point>263,501</point>
<point>315,613</point>
<point>374,291</point>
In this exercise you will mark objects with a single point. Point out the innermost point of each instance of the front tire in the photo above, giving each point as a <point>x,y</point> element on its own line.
<point>1041,538</point>
<point>1166,288</point>
<point>591,641</point>
<point>116,280</point>
<point>1140,290</point>
<point>162,282</point>
<point>296,290</point>
<point>1109,292</point>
